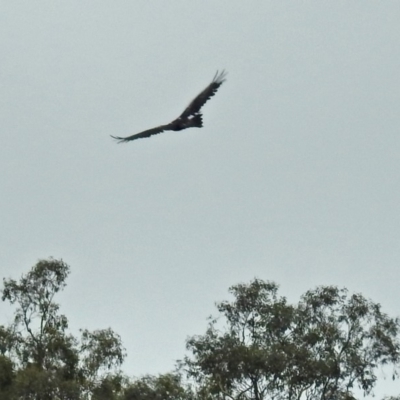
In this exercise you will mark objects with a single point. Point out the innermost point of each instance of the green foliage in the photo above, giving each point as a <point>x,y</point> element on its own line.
<point>260,347</point>
<point>40,359</point>
<point>7,377</point>
<point>162,387</point>
<point>101,349</point>
<point>321,348</point>
<point>109,388</point>
<point>42,384</point>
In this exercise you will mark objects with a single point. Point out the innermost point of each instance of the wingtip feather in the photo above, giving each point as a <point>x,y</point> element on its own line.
<point>220,77</point>
<point>119,139</point>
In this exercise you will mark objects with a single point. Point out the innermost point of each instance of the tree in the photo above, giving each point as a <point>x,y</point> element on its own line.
<point>260,347</point>
<point>6,377</point>
<point>162,387</point>
<point>322,348</point>
<point>48,362</point>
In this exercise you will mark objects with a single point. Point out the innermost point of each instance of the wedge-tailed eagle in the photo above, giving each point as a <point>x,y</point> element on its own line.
<point>190,118</point>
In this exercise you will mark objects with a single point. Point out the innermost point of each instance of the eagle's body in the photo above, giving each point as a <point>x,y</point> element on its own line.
<point>191,116</point>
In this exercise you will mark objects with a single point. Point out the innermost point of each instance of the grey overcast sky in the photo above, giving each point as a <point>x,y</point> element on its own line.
<point>294,178</point>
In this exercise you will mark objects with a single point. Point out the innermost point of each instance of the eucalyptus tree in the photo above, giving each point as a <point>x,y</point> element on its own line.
<point>162,387</point>
<point>47,361</point>
<point>261,347</point>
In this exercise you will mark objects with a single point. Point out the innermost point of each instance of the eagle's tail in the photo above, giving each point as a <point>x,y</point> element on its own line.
<point>196,121</point>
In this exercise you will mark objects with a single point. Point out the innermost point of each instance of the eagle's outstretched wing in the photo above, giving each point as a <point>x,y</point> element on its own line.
<point>145,134</point>
<point>191,117</point>
<point>194,107</point>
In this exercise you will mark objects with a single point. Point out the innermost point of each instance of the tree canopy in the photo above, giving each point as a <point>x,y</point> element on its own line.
<point>41,360</point>
<point>322,348</point>
<point>328,346</point>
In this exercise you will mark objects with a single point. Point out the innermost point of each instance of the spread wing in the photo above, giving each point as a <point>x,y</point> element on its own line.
<point>145,134</point>
<point>194,107</point>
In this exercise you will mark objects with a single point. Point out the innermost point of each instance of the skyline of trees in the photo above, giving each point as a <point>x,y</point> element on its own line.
<point>330,345</point>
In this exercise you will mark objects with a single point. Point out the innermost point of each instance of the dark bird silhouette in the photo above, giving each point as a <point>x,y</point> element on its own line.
<point>191,116</point>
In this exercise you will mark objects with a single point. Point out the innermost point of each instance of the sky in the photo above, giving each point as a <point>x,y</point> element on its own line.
<point>294,177</point>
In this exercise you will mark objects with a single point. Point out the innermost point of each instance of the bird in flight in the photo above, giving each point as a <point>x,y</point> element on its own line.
<point>191,116</point>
